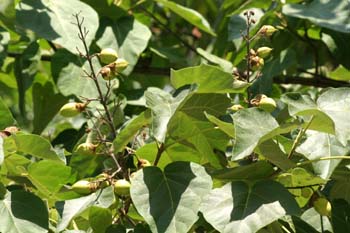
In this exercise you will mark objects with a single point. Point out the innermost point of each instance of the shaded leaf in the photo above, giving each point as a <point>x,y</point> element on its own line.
<point>251,125</point>
<point>210,79</point>
<point>169,200</point>
<point>23,212</point>
<point>340,216</point>
<point>224,64</point>
<point>226,127</point>
<point>128,132</point>
<point>6,118</point>
<point>239,207</point>
<point>332,14</point>
<point>100,219</point>
<point>313,218</point>
<point>189,15</point>
<point>52,20</point>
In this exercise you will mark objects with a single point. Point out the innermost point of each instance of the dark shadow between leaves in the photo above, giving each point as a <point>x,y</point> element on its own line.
<point>36,19</point>
<point>166,189</point>
<point>27,206</point>
<point>247,199</point>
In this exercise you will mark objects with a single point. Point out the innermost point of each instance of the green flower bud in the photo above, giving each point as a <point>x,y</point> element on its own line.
<point>256,63</point>
<point>120,65</point>
<point>86,149</point>
<point>143,163</point>
<point>82,187</point>
<point>72,109</point>
<point>323,206</point>
<point>107,73</point>
<point>236,107</point>
<point>264,51</point>
<point>108,55</point>
<point>122,187</point>
<point>267,30</point>
<point>266,103</point>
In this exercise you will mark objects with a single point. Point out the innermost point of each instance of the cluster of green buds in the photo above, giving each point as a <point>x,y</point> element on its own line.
<point>257,57</point>
<point>114,64</point>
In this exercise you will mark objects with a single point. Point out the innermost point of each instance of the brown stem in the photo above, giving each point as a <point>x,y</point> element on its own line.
<point>161,149</point>
<point>103,101</point>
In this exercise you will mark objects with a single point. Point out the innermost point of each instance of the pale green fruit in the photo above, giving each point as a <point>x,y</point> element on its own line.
<point>267,30</point>
<point>72,109</point>
<point>323,206</point>
<point>122,187</point>
<point>143,163</point>
<point>266,103</point>
<point>264,51</point>
<point>120,65</point>
<point>108,55</point>
<point>82,187</point>
<point>236,107</point>
<point>86,148</point>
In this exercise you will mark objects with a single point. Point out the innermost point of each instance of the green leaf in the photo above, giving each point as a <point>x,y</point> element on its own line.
<point>273,153</point>
<point>194,131</point>
<point>67,71</point>
<point>100,219</point>
<point>131,128</point>
<point>337,44</point>
<point>304,106</point>
<point>340,74</point>
<point>169,200</point>
<point>126,35</point>
<point>239,207</point>
<point>56,175</point>
<point>150,150</point>
<point>226,127</point>
<point>70,209</point>
<point>224,64</point>
<point>189,15</point>
<point>341,189</point>
<point>299,177</point>
<point>332,14</point>
<point>7,13</point>
<point>2,153</point>
<point>34,145</point>
<point>302,227</point>
<point>163,106</point>
<point>53,20</point>
<point>4,40</point>
<point>6,116</point>
<point>320,145</point>
<point>251,125</point>
<point>335,103</point>
<point>254,171</point>
<point>23,212</point>
<point>210,79</point>
<point>46,104</point>
<point>340,216</point>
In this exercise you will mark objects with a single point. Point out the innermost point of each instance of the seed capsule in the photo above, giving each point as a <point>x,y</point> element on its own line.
<point>108,55</point>
<point>82,187</point>
<point>264,51</point>
<point>72,109</point>
<point>323,206</point>
<point>120,65</point>
<point>267,30</point>
<point>86,148</point>
<point>122,187</point>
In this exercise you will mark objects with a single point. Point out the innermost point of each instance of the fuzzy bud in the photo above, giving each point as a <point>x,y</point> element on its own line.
<point>86,148</point>
<point>72,109</point>
<point>264,52</point>
<point>267,30</point>
<point>108,55</point>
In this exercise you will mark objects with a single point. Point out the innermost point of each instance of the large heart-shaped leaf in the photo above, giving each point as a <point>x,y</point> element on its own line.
<point>169,200</point>
<point>319,145</point>
<point>53,20</point>
<point>210,79</point>
<point>128,36</point>
<point>240,207</point>
<point>332,14</point>
<point>23,212</point>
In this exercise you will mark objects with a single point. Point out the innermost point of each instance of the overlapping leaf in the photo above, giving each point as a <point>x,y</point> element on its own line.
<point>169,200</point>
<point>53,20</point>
<point>240,207</point>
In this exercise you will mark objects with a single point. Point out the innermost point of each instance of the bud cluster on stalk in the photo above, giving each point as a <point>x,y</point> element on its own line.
<point>114,64</point>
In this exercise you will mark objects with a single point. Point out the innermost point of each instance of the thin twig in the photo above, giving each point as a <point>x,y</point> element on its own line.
<point>322,159</point>
<point>82,35</point>
<point>161,149</point>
